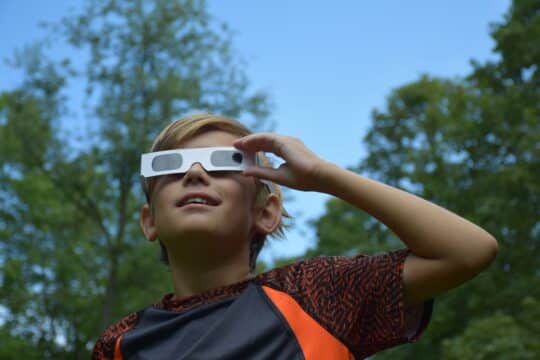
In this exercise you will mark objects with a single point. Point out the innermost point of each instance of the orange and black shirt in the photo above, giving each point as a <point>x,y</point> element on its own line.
<point>333,307</point>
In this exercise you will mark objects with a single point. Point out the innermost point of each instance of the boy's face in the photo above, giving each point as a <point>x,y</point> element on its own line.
<point>219,229</point>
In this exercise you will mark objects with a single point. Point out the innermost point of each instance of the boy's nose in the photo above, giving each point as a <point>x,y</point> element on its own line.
<point>196,172</point>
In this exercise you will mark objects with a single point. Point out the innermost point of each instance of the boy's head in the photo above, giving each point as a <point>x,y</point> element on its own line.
<point>241,207</point>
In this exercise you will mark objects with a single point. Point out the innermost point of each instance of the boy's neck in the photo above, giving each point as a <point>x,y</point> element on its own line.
<point>189,281</point>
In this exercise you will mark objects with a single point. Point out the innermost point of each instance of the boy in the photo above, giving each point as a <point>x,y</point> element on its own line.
<point>211,225</point>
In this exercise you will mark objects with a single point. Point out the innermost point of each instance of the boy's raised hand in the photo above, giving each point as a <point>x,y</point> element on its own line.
<point>302,169</point>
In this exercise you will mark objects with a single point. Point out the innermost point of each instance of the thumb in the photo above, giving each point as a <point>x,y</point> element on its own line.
<point>266,173</point>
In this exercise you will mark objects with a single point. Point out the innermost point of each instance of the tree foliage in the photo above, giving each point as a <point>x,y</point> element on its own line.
<point>72,256</point>
<point>499,336</point>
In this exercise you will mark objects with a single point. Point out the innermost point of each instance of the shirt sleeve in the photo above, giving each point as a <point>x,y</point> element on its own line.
<point>360,300</point>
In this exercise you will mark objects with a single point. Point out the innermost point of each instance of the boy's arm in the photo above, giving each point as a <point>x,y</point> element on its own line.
<point>447,250</point>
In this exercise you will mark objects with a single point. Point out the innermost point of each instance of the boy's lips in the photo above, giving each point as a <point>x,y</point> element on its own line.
<point>211,200</point>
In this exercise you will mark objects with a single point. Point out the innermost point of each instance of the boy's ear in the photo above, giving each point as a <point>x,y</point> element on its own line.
<point>147,223</point>
<point>269,215</point>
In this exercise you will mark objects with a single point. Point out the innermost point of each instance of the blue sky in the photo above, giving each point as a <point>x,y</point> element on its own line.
<point>325,67</point>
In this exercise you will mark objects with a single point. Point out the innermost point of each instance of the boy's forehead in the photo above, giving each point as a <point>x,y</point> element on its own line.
<point>210,138</point>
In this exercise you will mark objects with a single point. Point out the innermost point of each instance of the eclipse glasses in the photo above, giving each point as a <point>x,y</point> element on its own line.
<point>179,161</point>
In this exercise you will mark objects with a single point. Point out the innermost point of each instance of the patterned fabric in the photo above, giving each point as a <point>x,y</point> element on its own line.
<point>359,300</point>
<point>104,348</point>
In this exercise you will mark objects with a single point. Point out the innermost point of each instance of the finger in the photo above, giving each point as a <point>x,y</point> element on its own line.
<point>269,142</point>
<point>256,142</point>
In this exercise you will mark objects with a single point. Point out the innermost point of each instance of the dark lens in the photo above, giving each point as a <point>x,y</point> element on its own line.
<point>237,157</point>
<point>167,162</point>
<point>226,158</point>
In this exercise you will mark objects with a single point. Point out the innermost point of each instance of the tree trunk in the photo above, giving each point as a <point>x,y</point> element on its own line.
<point>110,293</point>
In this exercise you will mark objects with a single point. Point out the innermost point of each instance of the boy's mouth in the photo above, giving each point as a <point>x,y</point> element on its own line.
<point>197,198</point>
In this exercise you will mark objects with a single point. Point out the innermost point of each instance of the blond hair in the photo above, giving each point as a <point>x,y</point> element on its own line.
<point>186,128</point>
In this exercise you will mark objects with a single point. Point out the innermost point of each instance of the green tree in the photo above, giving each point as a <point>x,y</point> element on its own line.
<point>72,256</point>
<point>469,145</point>
<point>499,336</point>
